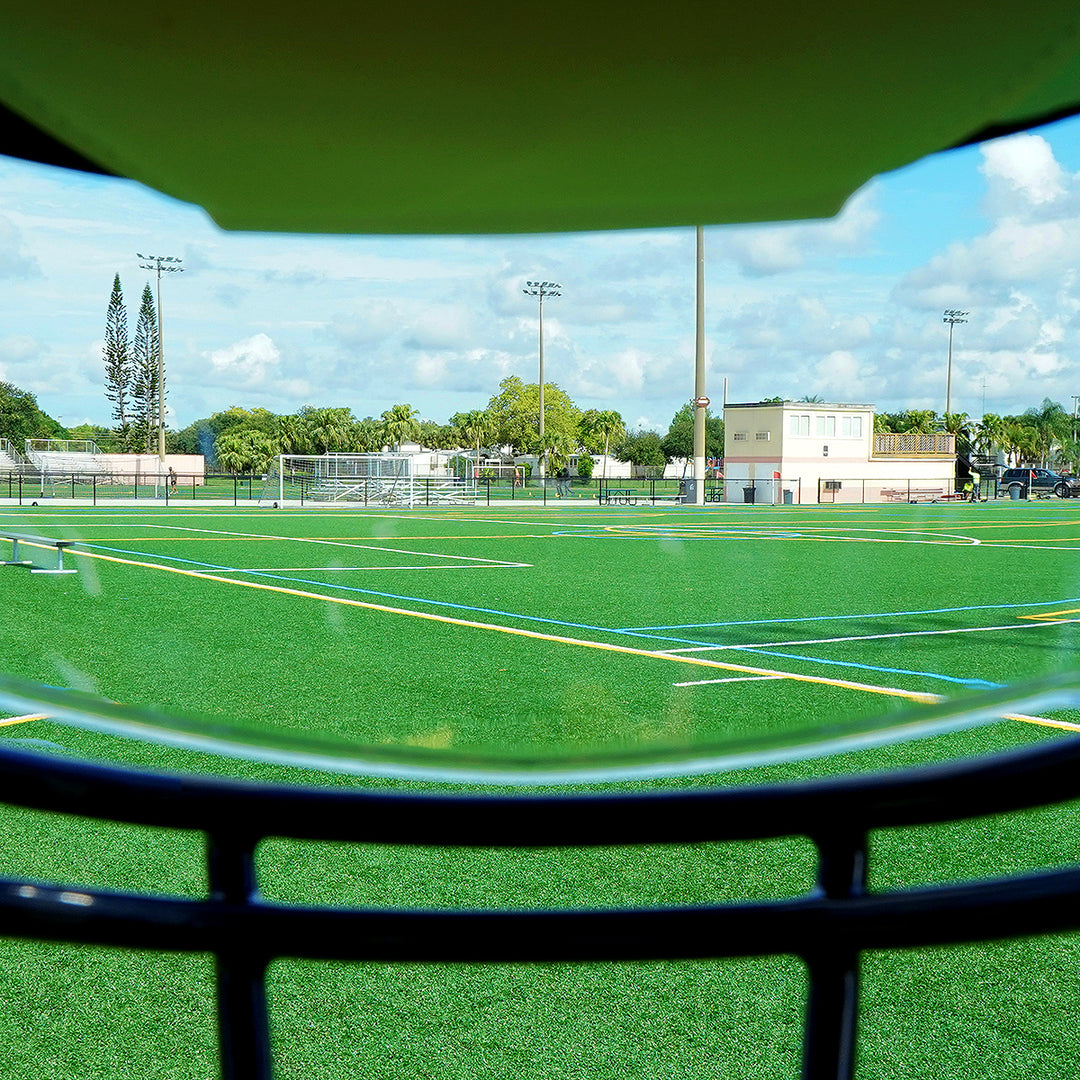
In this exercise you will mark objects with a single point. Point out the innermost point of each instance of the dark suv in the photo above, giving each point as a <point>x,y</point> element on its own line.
<point>1038,482</point>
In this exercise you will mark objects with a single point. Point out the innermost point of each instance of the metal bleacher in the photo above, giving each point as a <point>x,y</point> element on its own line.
<point>11,461</point>
<point>67,457</point>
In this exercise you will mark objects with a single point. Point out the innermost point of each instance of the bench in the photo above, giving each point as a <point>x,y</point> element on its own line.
<point>37,541</point>
<point>630,497</point>
<point>915,494</point>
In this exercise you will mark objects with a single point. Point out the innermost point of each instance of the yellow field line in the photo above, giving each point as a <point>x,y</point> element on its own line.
<point>343,540</point>
<point>1024,719</point>
<point>626,650</point>
<point>23,719</point>
<point>536,635</point>
<point>1054,615</point>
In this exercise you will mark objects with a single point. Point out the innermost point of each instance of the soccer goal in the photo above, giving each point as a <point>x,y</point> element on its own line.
<point>488,470</point>
<point>368,479</point>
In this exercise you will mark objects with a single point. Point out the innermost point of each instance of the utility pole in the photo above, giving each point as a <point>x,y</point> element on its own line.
<point>541,290</point>
<point>161,264</point>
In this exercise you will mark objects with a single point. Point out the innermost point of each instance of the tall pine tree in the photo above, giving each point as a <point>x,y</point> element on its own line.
<point>118,363</point>
<point>145,369</point>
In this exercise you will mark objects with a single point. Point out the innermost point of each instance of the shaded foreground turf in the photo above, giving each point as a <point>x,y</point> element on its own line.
<point>152,636</point>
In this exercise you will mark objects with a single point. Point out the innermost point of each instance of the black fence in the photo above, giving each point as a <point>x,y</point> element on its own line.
<point>829,927</point>
<point>29,487</point>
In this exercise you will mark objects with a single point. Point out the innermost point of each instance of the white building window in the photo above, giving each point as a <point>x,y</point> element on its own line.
<point>798,424</point>
<point>762,436</point>
<point>825,426</point>
<point>739,436</point>
<point>851,427</point>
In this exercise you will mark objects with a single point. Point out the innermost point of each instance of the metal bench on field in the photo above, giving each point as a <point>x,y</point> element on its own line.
<point>914,494</point>
<point>31,540</point>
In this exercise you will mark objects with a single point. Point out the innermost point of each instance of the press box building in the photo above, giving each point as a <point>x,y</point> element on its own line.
<point>802,452</point>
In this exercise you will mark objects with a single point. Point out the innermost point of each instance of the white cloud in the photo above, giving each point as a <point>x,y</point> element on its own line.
<point>440,326</point>
<point>1021,173</point>
<point>19,348</point>
<point>14,262</point>
<point>429,370</point>
<point>775,249</point>
<point>247,363</point>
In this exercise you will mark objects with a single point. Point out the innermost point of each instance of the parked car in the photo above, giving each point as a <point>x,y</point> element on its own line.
<point>1039,482</point>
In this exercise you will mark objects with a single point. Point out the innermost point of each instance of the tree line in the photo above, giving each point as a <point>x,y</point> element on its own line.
<point>246,440</point>
<point>243,440</point>
<point>1045,436</point>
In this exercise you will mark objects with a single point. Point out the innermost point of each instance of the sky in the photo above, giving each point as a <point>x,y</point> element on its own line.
<point>848,309</point>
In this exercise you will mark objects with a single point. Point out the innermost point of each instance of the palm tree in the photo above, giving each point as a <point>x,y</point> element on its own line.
<point>1018,440</point>
<point>918,422</point>
<point>476,428</point>
<point>367,436</point>
<point>1053,428</point>
<point>328,429</point>
<point>245,450</point>
<point>290,435</point>
<point>400,422</point>
<point>990,433</point>
<point>558,446</point>
<point>606,425</point>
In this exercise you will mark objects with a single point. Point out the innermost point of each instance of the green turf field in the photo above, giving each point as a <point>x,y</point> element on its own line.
<point>549,634</point>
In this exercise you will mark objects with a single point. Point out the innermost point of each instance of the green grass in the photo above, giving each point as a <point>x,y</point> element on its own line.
<point>281,663</point>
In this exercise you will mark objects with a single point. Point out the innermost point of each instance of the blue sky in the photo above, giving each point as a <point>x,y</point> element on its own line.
<point>848,309</point>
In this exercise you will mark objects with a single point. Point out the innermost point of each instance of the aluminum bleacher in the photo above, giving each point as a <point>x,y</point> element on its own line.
<point>11,461</point>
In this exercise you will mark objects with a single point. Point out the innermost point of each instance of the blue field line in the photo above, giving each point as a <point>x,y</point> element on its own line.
<point>387,596</point>
<point>983,684</point>
<point>840,618</point>
<point>598,629</point>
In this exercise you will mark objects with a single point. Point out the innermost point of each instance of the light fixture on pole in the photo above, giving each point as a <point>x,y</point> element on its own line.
<point>161,264</point>
<point>952,318</point>
<point>541,290</point>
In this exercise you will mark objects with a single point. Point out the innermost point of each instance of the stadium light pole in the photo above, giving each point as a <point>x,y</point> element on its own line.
<point>701,402</point>
<point>952,318</point>
<point>161,264</point>
<point>541,290</point>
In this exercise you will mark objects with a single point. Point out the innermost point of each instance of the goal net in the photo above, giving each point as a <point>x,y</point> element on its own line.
<point>484,470</point>
<point>368,479</point>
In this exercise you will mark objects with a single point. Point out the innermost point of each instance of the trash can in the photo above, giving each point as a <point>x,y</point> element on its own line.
<point>1016,492</point>
<point>788,497</point>
<point>748,495</point>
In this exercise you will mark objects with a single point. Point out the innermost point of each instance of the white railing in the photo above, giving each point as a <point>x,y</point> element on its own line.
<point>908,444</point>
<point>10,458</point>
<point>62,446</point>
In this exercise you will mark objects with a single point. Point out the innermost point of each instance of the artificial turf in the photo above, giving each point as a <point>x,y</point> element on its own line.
<point>758,577</point>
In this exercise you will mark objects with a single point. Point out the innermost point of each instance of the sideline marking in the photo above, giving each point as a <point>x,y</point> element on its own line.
<point>536,618</point>
<point>735,678</point>
<point>224,533</point>
<point>1025,719</point>
<point>1054,615</point>
<point>886,691</point>
<point>870,637</point>
<point>335,569</point>
<point>869,615</point>
<point>23,719</point>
